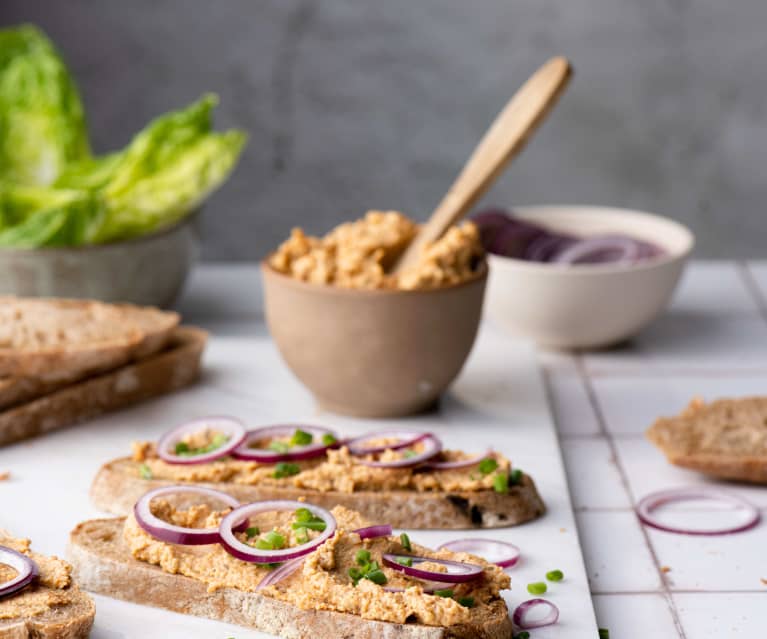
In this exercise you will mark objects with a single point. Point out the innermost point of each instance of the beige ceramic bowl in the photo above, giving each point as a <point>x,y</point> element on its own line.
<point>373,353</point>
<point>587,306</point>
<point>149,270</point>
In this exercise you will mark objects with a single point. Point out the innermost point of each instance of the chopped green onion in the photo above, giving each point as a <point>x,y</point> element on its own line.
<point>501,483</point>
<point>466,602</point>
<point>555,575</point>
<point>522,635</point>
<point>405,561</point>
<point>409,453</point>
<point>537,588</point>
<point>146,472</point>
<point>271,541</point>
<point>314,524</point>
<point>182,448</point>
<point>362,557</point>
<point>252,531</point>
<point>515,477</point>
<point>604,633</point>
<point>328,439</point>
<point>285,469</point>
<point>377,577</point>
<point>302,535</point>
<point>301,438</point>
<point>278,446</point>
<point>303,514</point>
<point>487,465</point>
<point>405,541</point>
<point>447,592</point>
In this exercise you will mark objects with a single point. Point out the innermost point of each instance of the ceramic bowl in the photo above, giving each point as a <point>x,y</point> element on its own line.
<point>587,306</point>
<point>373,353</point>
<point>149,270</point>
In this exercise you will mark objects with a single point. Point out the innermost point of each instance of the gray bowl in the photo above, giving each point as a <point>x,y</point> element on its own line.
<point>149,270</point>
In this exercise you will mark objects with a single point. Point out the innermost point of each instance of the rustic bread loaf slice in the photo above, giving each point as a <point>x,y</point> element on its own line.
<point>726,438</point>
<point>58,340</point>
<point>103,564</point>
<point>177,366</point>
<point>119,484</point>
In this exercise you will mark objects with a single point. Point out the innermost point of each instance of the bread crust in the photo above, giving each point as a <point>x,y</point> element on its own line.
<point>677,439</point>
<point>102,563</point>
<point>156,375</point>
<point>73,621</point>
<point>117,487</point>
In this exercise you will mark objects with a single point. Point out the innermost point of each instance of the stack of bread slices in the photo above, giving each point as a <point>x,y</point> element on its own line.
<point>64,361</point>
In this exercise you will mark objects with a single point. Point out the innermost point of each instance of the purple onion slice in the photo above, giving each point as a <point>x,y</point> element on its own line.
<point>232,429</point>
<point>524,609</point>
<point>457,571</point>
<point>431,447</point>
<point>600,250</point>
<point>283,572</point>
<point>458,463</point>
<point>295,453</point>
<point>245,552</point>
<point>500,553</point>
<point>171,533</point>
<point>403,439</point>
<point>371,532</point>
<point>26,571</point>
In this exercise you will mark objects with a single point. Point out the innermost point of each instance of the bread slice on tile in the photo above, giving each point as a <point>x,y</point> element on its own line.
<point>726,438</point>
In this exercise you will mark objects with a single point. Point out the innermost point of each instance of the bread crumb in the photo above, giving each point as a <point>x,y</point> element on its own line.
<point>764,581</point>
<point>665,569</point>
<point>5,475</point>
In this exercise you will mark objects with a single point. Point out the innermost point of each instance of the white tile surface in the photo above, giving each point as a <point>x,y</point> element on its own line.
<point>573,413</point>
<point>630,404</point>
<point>617,558</point>
<point>716,616</point>
<point>701,279</point>
<point>592,475</point>
<point>633,616</point>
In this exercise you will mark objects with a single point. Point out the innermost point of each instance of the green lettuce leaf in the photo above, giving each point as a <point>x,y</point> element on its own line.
<point>42,124</point>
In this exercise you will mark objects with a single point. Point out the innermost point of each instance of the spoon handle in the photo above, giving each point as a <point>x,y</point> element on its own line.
<point>505,138</point>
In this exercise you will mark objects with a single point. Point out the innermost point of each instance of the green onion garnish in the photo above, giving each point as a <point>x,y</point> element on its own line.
<point>377,577</point>
<point>301,438</point>
<point>466,602</point>
<point>271,541</point>
<point>405,541</point>
<point>537,588</point>
<point>328,439</point>
<point>279,447</point>
<point>555,575</point>
<point>145,471</point>
<point>501,483</point>
<point>302,535</point>
<point>405,561</point>
<point>515,477</point>
<point>303,514</point>
<point>487,465</point>
<point>447,592</point>
<point>522,635</point>
<point>285,469</point>
<point>252,531</point>
<point>362,557</point>
<point>182,448</point>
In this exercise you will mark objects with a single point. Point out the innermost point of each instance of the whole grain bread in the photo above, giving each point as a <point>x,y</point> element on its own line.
<point>103,564</point>
<point>118,486</point>
<point>59,340</point>
<point>173,368</point>
<point>726,438</point>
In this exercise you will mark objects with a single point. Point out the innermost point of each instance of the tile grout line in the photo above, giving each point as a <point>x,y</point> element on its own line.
<point>684,591</point>
<point>752,286</point>
<point>596,407</point>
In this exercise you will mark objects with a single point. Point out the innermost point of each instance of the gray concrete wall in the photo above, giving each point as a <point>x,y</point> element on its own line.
<point>354,104</point>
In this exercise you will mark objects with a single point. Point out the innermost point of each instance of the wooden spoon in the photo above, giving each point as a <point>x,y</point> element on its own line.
<point>505,138</point>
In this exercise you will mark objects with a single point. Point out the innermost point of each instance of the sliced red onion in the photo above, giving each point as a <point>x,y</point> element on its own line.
<point>500,553</point>
<point>232,428</point>
<point>405,438</point>
<point>649,503</point>
<point>296,453</point>
<point>524,609</point>
<point>613,249</point>
<point>283,572</point>
<point>462,571</point>
<point>461,463</point>
<point>170,533</point>
<point>371,532</point>
<point>431,447</point>
<point>245,552</point>
<point>26,569</point>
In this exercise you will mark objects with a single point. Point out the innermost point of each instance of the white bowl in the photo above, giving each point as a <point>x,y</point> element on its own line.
<point>594,305</point>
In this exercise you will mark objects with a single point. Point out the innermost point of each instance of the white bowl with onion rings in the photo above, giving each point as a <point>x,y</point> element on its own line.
<point>570,306</point>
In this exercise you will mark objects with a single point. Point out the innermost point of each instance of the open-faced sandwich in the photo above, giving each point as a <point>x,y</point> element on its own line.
<point>38,597</point>
<point>290,568</point>
<point>402,477</point>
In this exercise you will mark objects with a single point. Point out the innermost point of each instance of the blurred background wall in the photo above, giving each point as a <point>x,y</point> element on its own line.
<point>357,104</point>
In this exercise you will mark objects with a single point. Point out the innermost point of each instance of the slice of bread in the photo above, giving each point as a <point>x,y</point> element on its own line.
<point>71,621</point>
<point>103,564</point>
<point>177,366</point>
<point>726,438</point>
<point>57,340</point>
<point>118,486</point>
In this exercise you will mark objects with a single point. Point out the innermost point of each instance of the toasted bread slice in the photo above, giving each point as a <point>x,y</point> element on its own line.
<point>103,564</point>
<point>118,486</point>
<point>726,438</point>
<point>57,340</point>
<point>70,620</point>
<point>169,370</point>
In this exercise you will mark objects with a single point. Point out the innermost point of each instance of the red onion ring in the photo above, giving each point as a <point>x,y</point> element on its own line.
<point>406,438</point>
<point>507,555</point>
<point>650,502</point>
<point>297,453</point>
<point>283,572</point>
<point>523,609</point>
<point>26,569</point>
<point>170,533</point>
<point>432,446</point>
<point>243,551</point>
<point>463,463</point>
<point>468,572</point>
<point>371,532</point>
<point>233,428</point>
<point>628,250</point>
